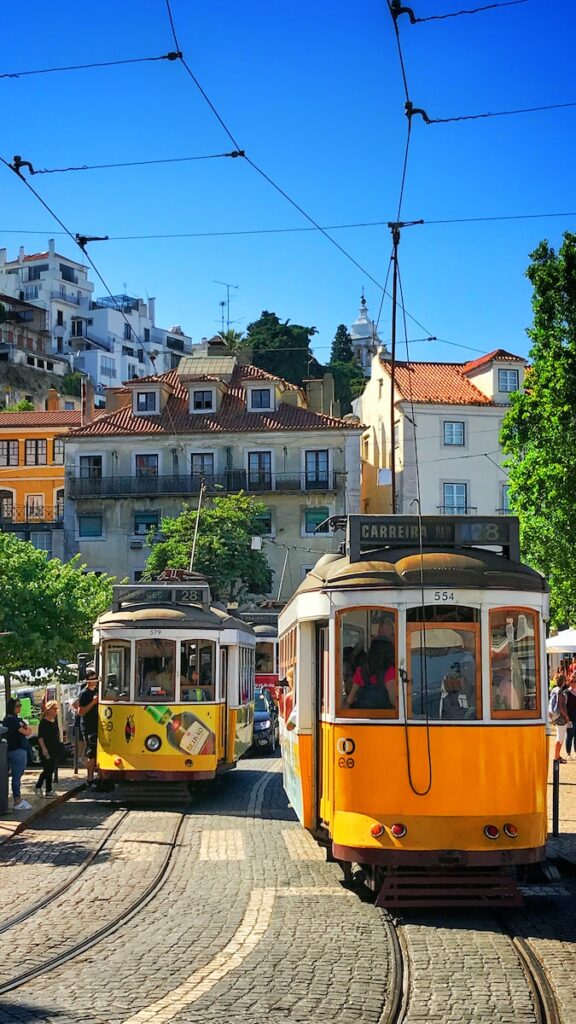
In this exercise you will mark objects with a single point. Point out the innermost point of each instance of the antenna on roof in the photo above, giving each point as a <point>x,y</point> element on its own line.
<point>227,303</point>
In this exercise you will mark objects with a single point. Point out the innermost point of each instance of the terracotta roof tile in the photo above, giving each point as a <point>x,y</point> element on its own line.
<point>68,418</point>
<point>498,353</point>
<point>232,417</point>
<point>437,384</point>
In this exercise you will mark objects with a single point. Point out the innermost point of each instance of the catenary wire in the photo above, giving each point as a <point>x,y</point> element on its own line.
<point>83,67</point>
<point>474,10</point>
<point>497,113</point>
<point>136,163</point>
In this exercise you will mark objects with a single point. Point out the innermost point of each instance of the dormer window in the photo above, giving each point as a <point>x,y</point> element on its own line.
<point>508,381</point>
<point>260,398</point>
<point>146,401</point>
<point>202,401</point>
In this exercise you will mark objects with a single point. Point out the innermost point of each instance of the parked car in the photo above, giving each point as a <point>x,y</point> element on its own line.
<point>266,729</point>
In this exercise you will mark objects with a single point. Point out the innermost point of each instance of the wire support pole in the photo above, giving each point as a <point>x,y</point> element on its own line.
<point>395,228</point>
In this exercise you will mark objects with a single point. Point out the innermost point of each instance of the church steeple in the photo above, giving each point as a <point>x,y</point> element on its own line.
<point>364,335</point>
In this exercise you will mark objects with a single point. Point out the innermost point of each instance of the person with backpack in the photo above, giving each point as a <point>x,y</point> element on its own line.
<point>558,715</point>
<point>374,680</point>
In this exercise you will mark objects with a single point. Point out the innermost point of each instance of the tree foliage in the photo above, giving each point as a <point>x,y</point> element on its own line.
<point>349,382</point>
<point>71,383</point>
<point>223,547</point>
<point>539,431</point>
<point>24,405</point>
<point>283,348</point>
<point>342,351</point>
<point>235,341</point>
<point>48,606</point>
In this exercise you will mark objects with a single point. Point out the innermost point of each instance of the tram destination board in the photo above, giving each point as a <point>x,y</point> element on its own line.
<point>372,533</point>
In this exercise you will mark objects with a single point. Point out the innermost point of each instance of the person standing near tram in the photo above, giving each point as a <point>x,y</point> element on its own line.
<point>88,711</point>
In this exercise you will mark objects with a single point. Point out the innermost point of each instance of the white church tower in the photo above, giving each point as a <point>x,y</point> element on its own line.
<point>365,338</point>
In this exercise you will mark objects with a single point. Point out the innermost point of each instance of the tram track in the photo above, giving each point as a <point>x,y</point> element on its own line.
<point>108,929</point>
<point>395,1011</point>
<point>545,1004</point>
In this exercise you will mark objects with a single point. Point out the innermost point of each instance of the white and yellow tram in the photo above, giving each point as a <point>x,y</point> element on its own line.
<point>414,737</point>
<point>176,683</point>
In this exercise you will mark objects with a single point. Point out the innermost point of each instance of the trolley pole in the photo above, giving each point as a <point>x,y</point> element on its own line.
<point>193,552</point>
<point>556,799</point>
<point>395,228</point>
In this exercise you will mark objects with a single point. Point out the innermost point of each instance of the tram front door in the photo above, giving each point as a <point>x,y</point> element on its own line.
<point>323,767</point>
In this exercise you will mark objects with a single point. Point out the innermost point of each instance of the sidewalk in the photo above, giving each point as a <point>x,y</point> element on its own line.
<point>12,822</point>
<point>565,845</point>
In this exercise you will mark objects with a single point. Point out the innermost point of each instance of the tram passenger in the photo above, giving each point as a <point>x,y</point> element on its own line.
<point>374,681</point>
<point>88,711</point>
<point>453,699</point>
<point>190,689</point>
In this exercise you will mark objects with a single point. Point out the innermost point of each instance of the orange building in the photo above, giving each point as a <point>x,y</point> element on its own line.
<point>32,474</point>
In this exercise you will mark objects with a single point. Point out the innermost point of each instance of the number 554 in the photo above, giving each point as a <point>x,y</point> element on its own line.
<point>443,595</point>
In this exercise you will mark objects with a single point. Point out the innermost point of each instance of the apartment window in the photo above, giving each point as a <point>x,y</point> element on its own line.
<point>90,525</point>
<point>202,400</point>
<point>508,380</point>
<point>58,458</point>
<point>6,505</point>
<point>146,465</point>
<point>59,318</point>
<point>34,506</point>
<point>202,464</point>
<point>127,332</point>
<point>91,467</point>
<point>49,365</point>
<point>59,507</point>
<point>140,355</point>
<point>144,521</point>
<point>107,367</point>
<point>316,465</point>
<point>68,406</point>
<point>455,499</point>
<point>454,432</point>
<point>67,273</point>
<point>504,499</point>
<point>313,517</point>
<point>146,401</point>
<point>260,398</point>
<point>77,328</point>
<point>264,522</point>
<point>132,371</point>
<point>259,470</point>
<point>146,334</point>
<point>36,453</point>
<point>8,453</point>
<point>34,272</point>
<point>31,292</point>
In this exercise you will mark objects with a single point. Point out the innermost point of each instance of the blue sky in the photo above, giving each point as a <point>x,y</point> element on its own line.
<point>313,93</point>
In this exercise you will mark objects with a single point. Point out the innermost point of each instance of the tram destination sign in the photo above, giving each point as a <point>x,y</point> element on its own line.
<point>372,533</point>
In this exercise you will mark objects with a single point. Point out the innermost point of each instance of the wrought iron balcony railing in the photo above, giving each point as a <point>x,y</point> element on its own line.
<point>185,484</point>
<point>15,515</point>
<point>457,510</point>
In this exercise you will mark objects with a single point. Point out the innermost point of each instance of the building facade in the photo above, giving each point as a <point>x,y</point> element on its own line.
<point>447,422</point>
<point>217,423</point>
<point>32,474</point>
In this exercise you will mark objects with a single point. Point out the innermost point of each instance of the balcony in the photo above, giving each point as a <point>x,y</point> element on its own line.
<point>456,510</point>
<point>75,300</point>
<point>187,485</point>
<point>19,516</point>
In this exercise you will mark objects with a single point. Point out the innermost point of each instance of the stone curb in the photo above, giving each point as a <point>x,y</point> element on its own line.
<point>43,809</point>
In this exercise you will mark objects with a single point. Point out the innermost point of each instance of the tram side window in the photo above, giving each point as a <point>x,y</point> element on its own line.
<point>116,675</point>
<point>265,662</point>
<point>514,674</point>
<point>155,662</point>
<point>246,674</point>
<point>367,677</point>
<point>444,666</point>
<point>197,670</point>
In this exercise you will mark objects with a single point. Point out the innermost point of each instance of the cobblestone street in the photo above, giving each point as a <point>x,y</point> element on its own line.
<point>244,920</point>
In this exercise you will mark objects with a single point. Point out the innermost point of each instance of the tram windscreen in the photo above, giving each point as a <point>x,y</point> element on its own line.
<point>116,675</point>
<point>513,662</point>
<point>444,664</point>
<point>368,683</point>
<point>265,661</point>
<point>197,670</point>
<point>155,663</point>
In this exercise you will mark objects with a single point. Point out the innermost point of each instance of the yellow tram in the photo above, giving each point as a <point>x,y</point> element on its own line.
<point>176,682</point>
<point>414,735</point>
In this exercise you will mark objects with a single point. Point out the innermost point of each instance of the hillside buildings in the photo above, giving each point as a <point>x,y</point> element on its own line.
<point>217,422</point>
<point>447,421</point>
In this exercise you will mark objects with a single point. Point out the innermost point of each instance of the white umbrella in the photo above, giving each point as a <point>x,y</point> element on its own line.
<point>562,642</point>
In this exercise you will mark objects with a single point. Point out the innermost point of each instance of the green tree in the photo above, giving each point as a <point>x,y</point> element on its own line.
<point>342,351</point>
<point>283,348</point>
<point>349,382</point>
<point>24,405</point>
<point>72,383</point>
<point>235,340</point>
<point>47,606</point>
<point>539,431</point>
<point>223,547</point>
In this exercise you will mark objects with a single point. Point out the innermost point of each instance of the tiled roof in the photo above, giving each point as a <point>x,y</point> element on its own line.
<point>68,418</point>
<point>437,384</point>
<point>498,353</point>
<point>232,416</point>
<point>41,256</point>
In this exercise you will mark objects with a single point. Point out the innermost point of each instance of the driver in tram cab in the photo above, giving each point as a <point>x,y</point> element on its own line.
<point>374,680</point>
<point>454,704</point>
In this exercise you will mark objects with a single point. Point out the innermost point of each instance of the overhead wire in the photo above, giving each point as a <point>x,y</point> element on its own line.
<point>136,163</point>
<point>474,10</point>
<point>84,67</point>
<point>495,113</point>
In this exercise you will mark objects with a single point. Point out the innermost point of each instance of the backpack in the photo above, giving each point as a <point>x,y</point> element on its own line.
<point>553,714</point>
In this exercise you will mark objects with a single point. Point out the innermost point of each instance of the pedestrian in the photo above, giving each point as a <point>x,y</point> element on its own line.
<point>558,715</point>
<point>88,711</point>
<point>49,743</point>
<point>571,710</point>
<point>17,740</point>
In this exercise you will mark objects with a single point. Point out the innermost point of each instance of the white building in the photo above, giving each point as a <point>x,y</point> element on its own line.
<point>110,339</point>
<point>365,338</point>
<point>447,422</point>
<point>227,426</point>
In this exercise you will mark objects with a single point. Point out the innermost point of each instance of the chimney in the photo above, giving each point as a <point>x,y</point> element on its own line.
<point>87,412</point>
<point>152,311</point>
<point>21,253</point>
<point>52,401</point>
<point>51,246</point>
<point>3,255</point>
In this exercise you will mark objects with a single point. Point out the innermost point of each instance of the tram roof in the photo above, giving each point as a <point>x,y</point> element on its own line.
<point>398,569</point>
<point>171,616</point>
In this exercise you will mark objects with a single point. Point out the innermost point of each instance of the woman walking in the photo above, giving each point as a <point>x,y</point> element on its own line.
<point>49,743</point>
<point>16,738</point>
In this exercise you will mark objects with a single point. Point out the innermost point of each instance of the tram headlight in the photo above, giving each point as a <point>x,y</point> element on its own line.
<point>491,831</point>
<point>398,831</point>
<point>153,743</point>
<point>511,831</point>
